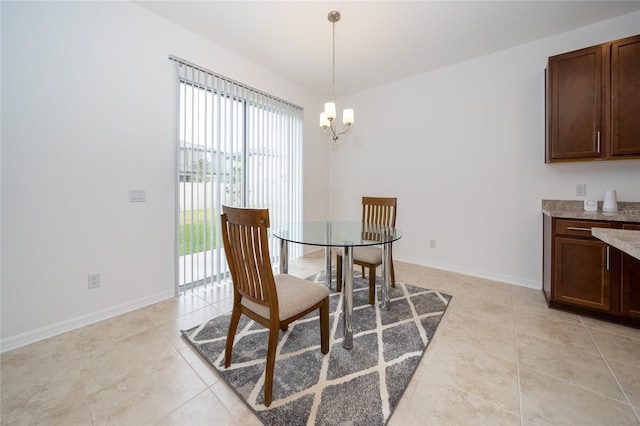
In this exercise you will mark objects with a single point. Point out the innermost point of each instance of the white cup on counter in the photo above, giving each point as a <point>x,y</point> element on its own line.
<point>610,203</point>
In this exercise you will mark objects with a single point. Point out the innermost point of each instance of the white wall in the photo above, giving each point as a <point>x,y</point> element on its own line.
<point>463,150</point>
<point>87,95</point>
<point>86,115</point>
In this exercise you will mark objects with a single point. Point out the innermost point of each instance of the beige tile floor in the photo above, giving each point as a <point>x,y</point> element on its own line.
<point>499,357</point>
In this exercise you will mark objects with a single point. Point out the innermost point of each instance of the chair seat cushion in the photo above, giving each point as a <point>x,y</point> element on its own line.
<point>368,254</point>
<point>295,295</point>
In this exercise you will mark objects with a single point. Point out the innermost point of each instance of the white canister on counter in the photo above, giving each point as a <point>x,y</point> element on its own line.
<point>610,203</point>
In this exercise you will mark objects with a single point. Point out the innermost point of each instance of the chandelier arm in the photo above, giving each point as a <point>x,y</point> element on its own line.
<point>334,133</point>
<point>346,131</point>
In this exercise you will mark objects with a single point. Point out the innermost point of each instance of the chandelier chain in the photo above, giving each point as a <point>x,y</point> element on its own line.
<point>333,81</point>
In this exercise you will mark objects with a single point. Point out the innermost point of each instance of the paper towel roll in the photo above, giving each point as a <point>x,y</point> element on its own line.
<point>610,203</point>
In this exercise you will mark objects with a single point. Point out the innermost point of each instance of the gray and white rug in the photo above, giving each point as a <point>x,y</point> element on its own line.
<point>361,386</point>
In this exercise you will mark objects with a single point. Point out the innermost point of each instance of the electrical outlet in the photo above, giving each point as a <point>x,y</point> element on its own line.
<point>432,243</point>
<point>581,189</point>
<point>94,281</point>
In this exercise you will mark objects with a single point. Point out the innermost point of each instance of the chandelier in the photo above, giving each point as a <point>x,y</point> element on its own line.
<point>328,116</point>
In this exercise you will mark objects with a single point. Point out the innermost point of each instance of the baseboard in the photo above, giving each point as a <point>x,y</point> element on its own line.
<point>48,331</point>
<point>508,279</point>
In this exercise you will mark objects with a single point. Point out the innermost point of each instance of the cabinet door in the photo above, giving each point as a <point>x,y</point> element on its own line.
<point>582,273</point>
<point>630,294</point>
<point>625,96</point>
<point>575,117</point>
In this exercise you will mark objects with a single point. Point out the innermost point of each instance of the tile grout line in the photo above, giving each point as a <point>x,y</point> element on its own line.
<point>82,379</point>
<point>582,386</point>
<point>576,385</point>
<point>180,352</point>
<point>515,335</point>
<point>610,370</point>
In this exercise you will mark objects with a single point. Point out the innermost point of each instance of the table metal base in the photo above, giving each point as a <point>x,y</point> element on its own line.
<point>386,277</point>
<point>347,280</point>
<point>327,267</point>
<point>347,296</point>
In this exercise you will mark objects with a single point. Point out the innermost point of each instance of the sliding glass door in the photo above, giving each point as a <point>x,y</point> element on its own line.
<point>234,146</point>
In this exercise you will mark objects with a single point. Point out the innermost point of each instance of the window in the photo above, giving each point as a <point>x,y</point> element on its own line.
<point>235,146</point>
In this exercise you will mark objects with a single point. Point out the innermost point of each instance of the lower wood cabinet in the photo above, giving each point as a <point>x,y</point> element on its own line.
<point>630,282</point>
<point>582,276</point>
<point>585,275</point>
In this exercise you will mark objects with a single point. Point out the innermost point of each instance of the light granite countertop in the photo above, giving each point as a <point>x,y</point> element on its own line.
<point>625,240</point>
<point>572,209</point>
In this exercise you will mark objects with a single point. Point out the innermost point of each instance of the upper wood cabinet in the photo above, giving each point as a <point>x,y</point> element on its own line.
<point>625,96</point>
<point>593,103</point>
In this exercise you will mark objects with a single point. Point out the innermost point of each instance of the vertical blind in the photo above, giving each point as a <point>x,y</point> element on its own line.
<point>235,146</point>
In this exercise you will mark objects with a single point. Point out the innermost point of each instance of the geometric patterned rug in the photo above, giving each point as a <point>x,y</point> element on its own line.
<point>361,386</point>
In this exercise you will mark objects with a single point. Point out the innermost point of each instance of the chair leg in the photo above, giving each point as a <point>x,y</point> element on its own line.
<point>324,326</point>
<point>271,362</point>
<point>393,276</point>
<point>231,334</point>
<point>338,273</point>
<point>372,285</point>
<point>363,276</point>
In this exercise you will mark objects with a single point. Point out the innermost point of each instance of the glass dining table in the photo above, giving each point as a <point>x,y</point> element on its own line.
<point>345,235</point>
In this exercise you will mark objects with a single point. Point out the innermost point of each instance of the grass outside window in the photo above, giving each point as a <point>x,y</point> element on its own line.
<point>191,231</point>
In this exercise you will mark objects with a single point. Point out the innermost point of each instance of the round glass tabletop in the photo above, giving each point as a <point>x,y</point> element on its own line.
<point>337,233</point>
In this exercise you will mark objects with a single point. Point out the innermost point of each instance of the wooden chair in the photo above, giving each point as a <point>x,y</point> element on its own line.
<point>272,301</point>
<point>378,211</point>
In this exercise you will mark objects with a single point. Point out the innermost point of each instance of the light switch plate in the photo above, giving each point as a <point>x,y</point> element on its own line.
<point>137,195</point>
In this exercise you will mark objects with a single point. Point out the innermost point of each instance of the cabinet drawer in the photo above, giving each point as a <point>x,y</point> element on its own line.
<point>579,228</point>
<point>631,226</point>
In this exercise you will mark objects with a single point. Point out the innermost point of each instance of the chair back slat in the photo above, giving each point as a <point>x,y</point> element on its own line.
<point>379,211</point>
<point>246,245</point>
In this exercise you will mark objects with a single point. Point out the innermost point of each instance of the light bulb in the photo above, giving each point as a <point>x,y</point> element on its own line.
<point>347,117</point>
<point>324,122</point>
<point>330,110</point>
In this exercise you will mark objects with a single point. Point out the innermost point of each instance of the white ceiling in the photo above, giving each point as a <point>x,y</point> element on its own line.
<point>376,41</point>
